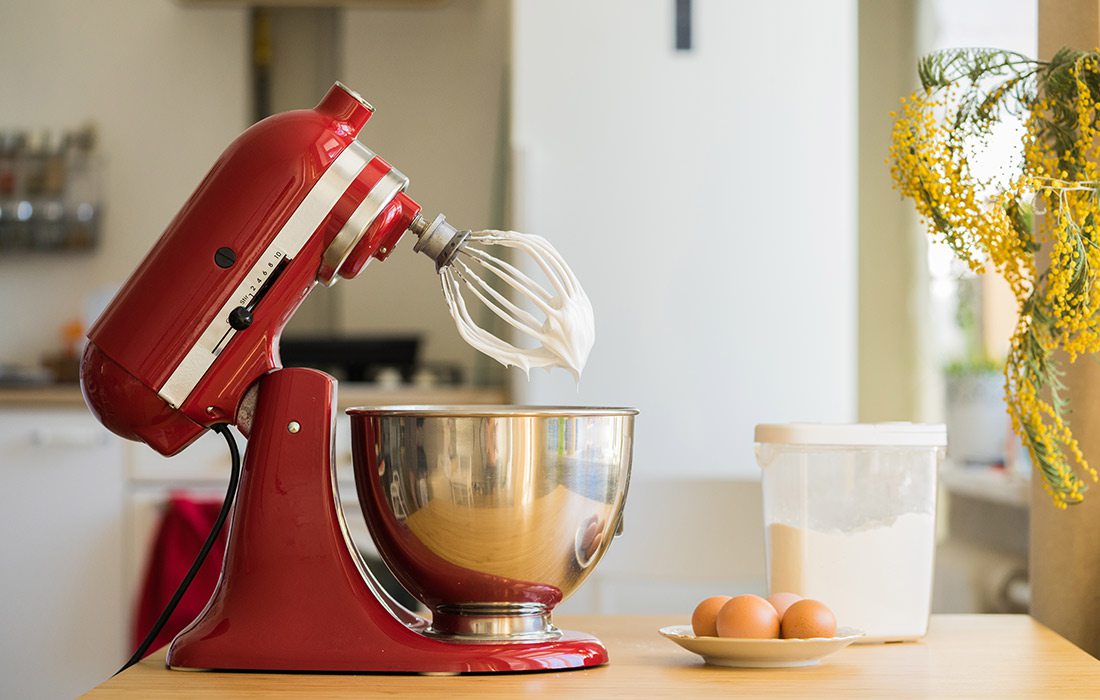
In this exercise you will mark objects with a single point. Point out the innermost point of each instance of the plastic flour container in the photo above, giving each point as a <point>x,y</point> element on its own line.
<point>849,516</point>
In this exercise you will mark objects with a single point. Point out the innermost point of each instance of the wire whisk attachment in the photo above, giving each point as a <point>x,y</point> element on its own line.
<point>536,295</point>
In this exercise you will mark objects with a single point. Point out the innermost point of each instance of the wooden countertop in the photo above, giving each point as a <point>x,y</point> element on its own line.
<point>973,656</point>
<point>347,395</point>
<point>44,396</point>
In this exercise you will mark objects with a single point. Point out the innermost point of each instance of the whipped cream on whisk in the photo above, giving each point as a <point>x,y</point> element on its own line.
<point>555,312</point>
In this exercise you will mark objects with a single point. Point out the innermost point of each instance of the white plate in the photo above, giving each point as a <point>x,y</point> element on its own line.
<point>761,653</point>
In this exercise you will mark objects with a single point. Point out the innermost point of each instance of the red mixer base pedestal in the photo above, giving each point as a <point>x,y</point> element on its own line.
<point>294,595</point>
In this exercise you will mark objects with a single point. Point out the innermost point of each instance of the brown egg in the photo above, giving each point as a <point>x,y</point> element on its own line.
<point>808,618</point>
<point>748,616</point>
<point>702,620</point>
<point>782,601</point>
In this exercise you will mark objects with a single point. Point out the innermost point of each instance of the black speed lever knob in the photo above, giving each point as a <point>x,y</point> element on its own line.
<point>240,318</point>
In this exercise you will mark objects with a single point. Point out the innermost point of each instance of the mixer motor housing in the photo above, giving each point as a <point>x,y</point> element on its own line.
<point>294,201</point>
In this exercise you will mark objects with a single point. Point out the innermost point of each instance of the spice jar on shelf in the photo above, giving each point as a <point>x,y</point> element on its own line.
<point>49,191</point>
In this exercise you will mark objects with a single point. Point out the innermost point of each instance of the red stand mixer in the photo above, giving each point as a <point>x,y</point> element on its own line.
<point>191,341</point>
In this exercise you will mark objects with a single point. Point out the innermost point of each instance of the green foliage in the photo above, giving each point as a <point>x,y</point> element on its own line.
<point>989,220</point>
<point>984,365</point>
<point>945,68</point>
<point>998,80</point>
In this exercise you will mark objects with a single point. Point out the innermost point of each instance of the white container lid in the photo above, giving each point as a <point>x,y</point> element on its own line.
<point>853,434</point>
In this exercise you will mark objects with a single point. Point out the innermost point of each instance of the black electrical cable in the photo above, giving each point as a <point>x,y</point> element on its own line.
<point>234,477</point>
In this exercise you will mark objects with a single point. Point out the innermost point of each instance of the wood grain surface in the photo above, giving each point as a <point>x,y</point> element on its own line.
<point>972,656</point>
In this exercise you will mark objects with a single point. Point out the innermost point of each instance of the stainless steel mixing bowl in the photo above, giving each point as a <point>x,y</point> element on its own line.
<point>492,515</point>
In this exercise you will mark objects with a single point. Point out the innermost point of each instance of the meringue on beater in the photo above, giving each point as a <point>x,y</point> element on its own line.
<point>555,313</point>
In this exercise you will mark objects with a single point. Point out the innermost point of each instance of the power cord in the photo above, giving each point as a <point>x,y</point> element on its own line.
<point>234,477</point>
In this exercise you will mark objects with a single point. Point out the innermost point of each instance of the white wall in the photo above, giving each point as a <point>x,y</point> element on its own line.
<point>166,86</point>
<point>706,200</point>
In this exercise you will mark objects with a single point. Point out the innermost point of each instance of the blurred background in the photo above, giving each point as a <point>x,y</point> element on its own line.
<point>714,171</point>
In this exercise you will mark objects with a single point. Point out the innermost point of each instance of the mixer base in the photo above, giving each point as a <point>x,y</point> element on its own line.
<point>295,596</point>
<point>574,650</point>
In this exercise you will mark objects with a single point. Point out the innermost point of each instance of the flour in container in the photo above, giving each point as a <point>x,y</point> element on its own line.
<point>876,579</point>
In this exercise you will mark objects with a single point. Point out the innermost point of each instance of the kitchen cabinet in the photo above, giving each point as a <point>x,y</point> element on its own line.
<point>78,510</point>
<point>62,490</point>
<point>683,540</point>
<point>202,471</point>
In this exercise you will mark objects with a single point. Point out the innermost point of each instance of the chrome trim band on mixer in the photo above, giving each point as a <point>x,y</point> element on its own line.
<point>305,220</point>
<point>388,186</point>
<point>359,98</point>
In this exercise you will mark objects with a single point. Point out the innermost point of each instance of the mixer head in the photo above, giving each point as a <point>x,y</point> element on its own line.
<point>294,202</point>
<point>552,316</point>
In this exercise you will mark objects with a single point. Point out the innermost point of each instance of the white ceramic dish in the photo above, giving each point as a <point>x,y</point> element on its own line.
<point>761,653</point>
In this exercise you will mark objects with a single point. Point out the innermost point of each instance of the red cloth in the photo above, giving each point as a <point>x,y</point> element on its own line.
<point>183,528</point>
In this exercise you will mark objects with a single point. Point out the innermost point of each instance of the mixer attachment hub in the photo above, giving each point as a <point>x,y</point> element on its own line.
<point>438,240</point>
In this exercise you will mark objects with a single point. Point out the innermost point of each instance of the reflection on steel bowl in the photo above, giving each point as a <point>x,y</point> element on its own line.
<point>492,515</point>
